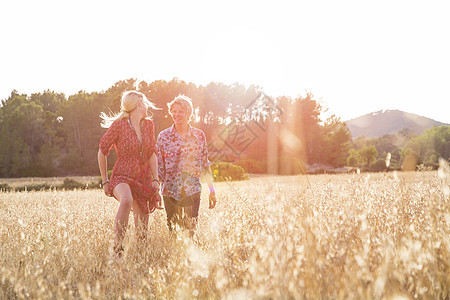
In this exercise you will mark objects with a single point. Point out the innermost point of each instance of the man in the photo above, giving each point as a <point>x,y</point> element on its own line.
<point>182,158</point>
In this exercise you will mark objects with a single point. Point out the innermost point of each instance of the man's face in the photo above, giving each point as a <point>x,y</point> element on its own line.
<point>179,115</point>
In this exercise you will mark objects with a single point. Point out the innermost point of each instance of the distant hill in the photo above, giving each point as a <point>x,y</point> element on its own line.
<point>389,122</point>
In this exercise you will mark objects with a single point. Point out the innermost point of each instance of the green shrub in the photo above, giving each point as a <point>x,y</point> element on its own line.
<point>70,184</point>
<point>378,166</point>
<point>431,165</point>
<point>224,171</point>
<point>4,187</point>
<point>33,187</point>
<point>425,167</point>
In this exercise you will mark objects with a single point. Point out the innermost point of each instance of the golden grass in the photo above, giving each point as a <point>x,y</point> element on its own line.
<point>16,182</point>
<point>368,236</point>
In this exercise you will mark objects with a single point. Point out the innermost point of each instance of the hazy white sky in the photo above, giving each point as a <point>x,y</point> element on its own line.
<point>357,57</point>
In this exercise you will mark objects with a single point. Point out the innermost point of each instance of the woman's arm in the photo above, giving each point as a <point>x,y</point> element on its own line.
<point>154,168</point>
<point>103,166</point>
<point>155,181</point>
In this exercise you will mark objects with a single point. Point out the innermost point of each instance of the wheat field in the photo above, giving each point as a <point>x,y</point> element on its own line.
<point>354,236</point>
<point>16,182</point>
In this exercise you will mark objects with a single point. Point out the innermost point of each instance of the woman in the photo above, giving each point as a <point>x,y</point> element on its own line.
<point>182,158</point>
<point>134,179</point>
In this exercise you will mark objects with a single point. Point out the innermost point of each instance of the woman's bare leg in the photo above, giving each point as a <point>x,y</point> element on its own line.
<point>123,193</point>
<point>140,222</point>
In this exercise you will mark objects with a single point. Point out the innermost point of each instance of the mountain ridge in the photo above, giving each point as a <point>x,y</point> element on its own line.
<point>379,123</point>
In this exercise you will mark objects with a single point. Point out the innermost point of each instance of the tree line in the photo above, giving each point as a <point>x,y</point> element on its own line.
<point>49,134</point>
<point>401,151</point>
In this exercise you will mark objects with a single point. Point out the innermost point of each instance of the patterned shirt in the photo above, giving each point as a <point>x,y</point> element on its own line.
<point>180,161</point>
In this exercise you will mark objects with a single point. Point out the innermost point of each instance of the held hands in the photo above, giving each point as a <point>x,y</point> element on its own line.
<point>158,201</point>
<point>155,185</point>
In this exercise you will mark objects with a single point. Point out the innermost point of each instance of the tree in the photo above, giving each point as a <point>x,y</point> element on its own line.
<point>368,154</point>
<point>302,117</point>
<point>48,100</point>
<point>434,141</point>
<point>47,134</point>
<point>353,158</point>
<point>81,123</point>
<point>337,138</point>
<point>21,135</point>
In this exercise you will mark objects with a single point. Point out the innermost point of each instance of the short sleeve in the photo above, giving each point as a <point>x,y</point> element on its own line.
<point>152,146</point>
<point>109,139</point>
<point>204,152</point>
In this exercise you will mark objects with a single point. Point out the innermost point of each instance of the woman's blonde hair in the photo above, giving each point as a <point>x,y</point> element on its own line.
<point>185,102</point>
<point>129,102</point>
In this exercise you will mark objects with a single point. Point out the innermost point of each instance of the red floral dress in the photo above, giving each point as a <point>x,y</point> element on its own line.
<point>133,162</point>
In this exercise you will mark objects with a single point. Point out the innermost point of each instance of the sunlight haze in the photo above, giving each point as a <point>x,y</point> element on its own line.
<point>356,57</point>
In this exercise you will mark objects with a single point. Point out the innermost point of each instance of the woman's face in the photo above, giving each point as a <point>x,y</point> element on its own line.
<point>142,109</point>
<point>179,115</point>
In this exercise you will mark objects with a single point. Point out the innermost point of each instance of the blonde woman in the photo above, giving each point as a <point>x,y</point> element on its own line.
<point>182,158</point>
<point>134,179</point>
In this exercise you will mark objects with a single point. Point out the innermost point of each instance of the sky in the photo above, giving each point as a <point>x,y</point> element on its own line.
<point>355,57</point>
